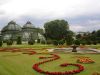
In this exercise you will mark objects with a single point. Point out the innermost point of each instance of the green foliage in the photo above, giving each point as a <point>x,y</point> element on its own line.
<point>31,42</point>
<point>56,30</point>
<point>55,42</point>
<point>89,42</point>
<point>61,42</point>
<point>38,40</point>
<point>9,42</point>
<point>1,43</point>
<point>69,40</point>
<point>77,42</point>
<point>78,36</point>
<point>90,38</point>
<point>94,42</point>
<point>19,41</point>
<point>43,42</point>
<point>49,41</point>
<point>83,42</point>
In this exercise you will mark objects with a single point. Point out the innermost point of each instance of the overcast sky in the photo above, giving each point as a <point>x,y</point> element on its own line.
<point>82,15</point>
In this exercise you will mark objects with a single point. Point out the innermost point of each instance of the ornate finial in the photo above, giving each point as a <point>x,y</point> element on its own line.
<point>28,22</point>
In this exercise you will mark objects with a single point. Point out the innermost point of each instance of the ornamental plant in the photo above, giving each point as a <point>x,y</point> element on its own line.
<point>55,57</point>
<point>84,60</point>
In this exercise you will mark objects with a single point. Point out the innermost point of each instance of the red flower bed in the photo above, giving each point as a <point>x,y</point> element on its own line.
<point>55,57</point>
<point>44,57</point>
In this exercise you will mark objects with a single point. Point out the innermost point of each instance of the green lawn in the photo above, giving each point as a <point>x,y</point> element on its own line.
<point>21,64</point>
<point>94,46</point>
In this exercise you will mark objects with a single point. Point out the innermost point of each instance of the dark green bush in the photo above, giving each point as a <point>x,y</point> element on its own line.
<point>9,42</point>
<point>19,41</point>
<point>61,42</point>
<point>55,42</point>
<point>42,42</point>
<point>94,42</point>
<point>31,42</point>
<point>49,42</point>
<point>83,42</point>
<point>38,40</point>
<point>88,42</point>
<point>1,43</point>
<point>77,42</point>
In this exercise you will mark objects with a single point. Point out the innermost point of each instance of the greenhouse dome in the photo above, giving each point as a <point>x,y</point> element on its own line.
<point>12,26</point>
<point>11,31</point>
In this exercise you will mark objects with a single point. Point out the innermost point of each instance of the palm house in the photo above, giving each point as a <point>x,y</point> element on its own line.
<point>12,31</point>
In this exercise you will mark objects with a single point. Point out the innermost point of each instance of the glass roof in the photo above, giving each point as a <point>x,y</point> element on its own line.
<point>12,26</point>
<point>28,25</point>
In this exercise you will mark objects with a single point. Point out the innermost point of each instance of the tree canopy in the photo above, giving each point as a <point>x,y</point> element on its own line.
<point>56,30</point>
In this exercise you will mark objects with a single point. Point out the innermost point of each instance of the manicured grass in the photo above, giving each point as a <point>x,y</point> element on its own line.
<point>39,46</point>
<point>21,64</point>
<point>94,46</point>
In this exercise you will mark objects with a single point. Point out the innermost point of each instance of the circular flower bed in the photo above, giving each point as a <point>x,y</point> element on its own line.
<point>84,60</point>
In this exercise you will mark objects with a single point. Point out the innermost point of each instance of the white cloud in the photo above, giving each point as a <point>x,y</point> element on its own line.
<point>89,25</point>
<point>76,28</point>
<point>51,8</point>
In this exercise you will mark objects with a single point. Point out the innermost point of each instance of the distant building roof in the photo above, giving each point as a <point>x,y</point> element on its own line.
<point>12,26</point>
<point>28,25</point>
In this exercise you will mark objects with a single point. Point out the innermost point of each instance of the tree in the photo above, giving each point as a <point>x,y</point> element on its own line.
<point>77,42</point>
<point>78,36</point>
<point>19,41</point>
<point>1,43</point>
<point>69,38</point>
<point>56,30</point>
